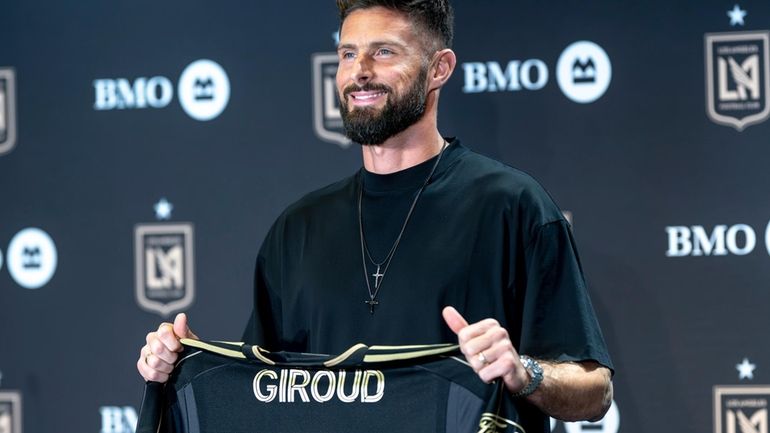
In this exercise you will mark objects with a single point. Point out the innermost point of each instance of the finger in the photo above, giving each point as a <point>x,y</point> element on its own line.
<point>181,328</point>
<point>168,338</point>
<point>476,330</point>
<point>504,366</point>
<point>477,361</point>
<point>154,334</point>
<point>160,350</point>
<point>488,340</point>
<point>156,363</point>
<point>454,319</point>
<point>149,374</point>
<point>149,364</point>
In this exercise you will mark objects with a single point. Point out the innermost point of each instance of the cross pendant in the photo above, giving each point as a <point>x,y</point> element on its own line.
<point>372,303</point>
<point>377,277</point>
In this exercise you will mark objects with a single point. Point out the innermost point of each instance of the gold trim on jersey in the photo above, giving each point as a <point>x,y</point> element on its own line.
<point>257,351</point>
<point>409,355</point>
<point>212,348</point>
<point>414,346</point>
<point>396,353</point>
<point>345,355</point>
<point>234,343</point>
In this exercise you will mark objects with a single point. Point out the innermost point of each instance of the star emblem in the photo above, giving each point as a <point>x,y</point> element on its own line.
<point>745,369</point>
<point>736,15</point>
<point>163,209</point>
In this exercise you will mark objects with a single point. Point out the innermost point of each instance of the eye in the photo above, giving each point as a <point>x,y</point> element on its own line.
<point>347,55</point>
<point>384,52</point>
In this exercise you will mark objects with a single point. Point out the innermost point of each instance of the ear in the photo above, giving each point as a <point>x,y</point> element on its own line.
<point>441,70</point>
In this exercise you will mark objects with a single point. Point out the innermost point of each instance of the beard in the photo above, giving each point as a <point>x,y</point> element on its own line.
<point>372,126</point>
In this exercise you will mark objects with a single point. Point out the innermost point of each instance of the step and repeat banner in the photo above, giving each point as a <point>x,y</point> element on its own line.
<point>146,147</point>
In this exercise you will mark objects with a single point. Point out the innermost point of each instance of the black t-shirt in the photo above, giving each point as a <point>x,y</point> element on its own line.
<point>484,238</point>
<point>231,387</point>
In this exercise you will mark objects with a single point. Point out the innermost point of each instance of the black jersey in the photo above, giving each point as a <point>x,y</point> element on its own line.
<point>234,387</point>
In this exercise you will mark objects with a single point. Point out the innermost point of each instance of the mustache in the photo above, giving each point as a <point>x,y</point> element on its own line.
<point>368,87</point>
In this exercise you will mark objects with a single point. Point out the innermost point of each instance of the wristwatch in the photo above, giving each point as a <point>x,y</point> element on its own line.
<point>535,376</point>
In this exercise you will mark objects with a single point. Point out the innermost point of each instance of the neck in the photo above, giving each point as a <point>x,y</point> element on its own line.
<point>413,146</point>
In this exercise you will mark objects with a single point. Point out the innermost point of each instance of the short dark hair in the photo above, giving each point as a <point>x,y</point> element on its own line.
<point>436,17</point>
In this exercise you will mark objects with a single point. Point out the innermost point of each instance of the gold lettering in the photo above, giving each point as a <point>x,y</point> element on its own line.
<point>379,393</point>
<point>355,388</point>
<point>271,389</point>
<point>491,423</point>
<point>298,387</point>
<point>314,387</point>
<point>367,386</point>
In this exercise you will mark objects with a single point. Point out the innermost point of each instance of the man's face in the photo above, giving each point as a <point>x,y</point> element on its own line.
<point>382,74</point>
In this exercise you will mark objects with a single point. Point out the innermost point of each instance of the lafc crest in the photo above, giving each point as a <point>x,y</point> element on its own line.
<point>738,78</point>
<point>164,266</point>
<point>7,111</point>
<point>741,409</point>
<point>327,120</point>
<point>10,412</point>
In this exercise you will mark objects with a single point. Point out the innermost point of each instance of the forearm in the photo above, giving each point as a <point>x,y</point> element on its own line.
<point>573,391</point>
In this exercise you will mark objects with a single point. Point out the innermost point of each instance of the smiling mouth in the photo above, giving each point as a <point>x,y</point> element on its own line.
<point>368,96</point>
<point>364,97</point>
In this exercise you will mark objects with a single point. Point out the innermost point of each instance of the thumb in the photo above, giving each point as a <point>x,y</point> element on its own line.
<point>454,319</point>
<point>181,329</point>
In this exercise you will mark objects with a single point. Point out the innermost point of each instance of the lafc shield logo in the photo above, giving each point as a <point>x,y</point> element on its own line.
<point>7,111</point>
<point>741,409</point>
<point>327,120</point>
<point>164,264</point>
<point>10,412</point>
<point>737,78</point>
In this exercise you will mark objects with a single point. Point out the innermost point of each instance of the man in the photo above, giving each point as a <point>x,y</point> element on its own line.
<point>426,223</point>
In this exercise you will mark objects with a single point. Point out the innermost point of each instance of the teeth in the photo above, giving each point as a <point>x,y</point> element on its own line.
<point>367,96</point>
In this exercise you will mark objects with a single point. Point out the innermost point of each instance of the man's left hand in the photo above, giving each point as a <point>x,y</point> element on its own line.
<point>488,349</point>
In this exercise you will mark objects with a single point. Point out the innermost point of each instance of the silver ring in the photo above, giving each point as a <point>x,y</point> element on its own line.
<point>146,358</point>
<point>483,359</point>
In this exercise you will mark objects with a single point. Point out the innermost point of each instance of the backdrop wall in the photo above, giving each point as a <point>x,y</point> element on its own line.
<point>146,147</point>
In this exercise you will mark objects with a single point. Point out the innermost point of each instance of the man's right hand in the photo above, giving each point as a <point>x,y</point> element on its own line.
<point>158,356</point>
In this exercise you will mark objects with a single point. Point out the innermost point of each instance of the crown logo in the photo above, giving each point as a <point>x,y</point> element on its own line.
<point>203,89</point>
<point>583,72</point>
<point>31,258</point>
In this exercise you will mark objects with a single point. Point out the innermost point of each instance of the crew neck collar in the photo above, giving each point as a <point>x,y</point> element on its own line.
<point>412,177</point>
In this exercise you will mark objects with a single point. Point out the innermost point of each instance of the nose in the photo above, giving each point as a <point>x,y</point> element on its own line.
<point>362,71</point>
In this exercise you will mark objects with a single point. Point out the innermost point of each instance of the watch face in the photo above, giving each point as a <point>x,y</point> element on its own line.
<point>526,361</point>
<point>533,368</point>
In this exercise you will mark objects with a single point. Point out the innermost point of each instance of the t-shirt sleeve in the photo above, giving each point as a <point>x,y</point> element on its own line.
<point>263,327</point>
<point>558,320</point>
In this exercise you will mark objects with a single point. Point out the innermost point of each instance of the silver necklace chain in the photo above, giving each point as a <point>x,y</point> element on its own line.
<point>379,277</point>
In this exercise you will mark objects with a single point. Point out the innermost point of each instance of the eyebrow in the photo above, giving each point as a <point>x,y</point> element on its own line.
<point>373,44</point>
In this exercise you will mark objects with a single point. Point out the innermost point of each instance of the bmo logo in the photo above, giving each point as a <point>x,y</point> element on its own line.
<point>719,240</point>
<point>203,91</point>
<point>31,258</point>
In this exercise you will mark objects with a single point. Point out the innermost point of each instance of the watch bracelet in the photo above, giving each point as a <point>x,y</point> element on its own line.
<point>535,372</point>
